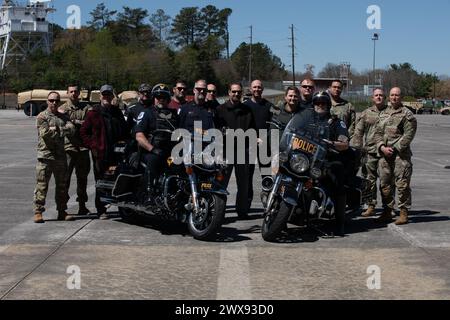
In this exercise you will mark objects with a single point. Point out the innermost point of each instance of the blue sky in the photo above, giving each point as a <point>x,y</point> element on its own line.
<point>325,31</point>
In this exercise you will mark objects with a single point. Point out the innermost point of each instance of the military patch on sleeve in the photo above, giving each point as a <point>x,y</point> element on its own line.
<point>409,116</point>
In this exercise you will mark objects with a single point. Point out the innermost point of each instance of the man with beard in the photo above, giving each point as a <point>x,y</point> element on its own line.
<point>156,145</point>
<point>337,137</point>
<point>235,115</point>
<point>103,128</point>
<point>179,95</point>
<point>197,111</point>
<point>306,93</point>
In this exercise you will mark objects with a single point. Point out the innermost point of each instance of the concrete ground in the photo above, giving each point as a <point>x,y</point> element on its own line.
<point>115,260</point>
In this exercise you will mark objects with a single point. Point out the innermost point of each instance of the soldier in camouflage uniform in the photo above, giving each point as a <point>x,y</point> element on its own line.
<point>53,127</point>
<point>364,139</point>
<point>342,108</point>
<point>394,133</point>
<point>77,154</point>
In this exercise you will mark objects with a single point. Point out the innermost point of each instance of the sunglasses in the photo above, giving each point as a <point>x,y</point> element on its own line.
<point>236,91</point>
<point>181,88</point>
<point>54,100</point>
<point>201,89</point>
<point>211,91</point>
<point>308,87</point>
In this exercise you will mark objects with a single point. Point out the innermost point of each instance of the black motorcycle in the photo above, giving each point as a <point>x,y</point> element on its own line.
<point>189,193</point>
<point>297,193</point>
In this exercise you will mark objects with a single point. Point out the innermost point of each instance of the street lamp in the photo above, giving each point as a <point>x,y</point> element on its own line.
<point>374,38</point>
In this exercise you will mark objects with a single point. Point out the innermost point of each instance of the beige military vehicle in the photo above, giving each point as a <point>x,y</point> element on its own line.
<point>34,101</point>
<point>127,98</point>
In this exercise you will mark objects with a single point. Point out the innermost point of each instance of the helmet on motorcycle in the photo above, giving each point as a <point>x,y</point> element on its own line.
<point>321,96</point>
<point>161,91</point>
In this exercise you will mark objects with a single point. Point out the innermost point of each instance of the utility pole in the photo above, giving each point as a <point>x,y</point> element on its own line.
<point>250,57</point>
<point>293,54</point>
<point>374,38</point>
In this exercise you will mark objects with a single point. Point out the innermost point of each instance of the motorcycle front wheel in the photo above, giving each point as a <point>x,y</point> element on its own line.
<point>275,221</point>
<point>204,225</point>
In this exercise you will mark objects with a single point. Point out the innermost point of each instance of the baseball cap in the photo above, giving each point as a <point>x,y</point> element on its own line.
<point>106,87</point>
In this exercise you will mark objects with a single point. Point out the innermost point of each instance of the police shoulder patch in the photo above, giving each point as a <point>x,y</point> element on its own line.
<point>141,116</point>
<point>343,125</point>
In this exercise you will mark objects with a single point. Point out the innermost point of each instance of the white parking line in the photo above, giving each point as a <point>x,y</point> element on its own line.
<point>234,274</point>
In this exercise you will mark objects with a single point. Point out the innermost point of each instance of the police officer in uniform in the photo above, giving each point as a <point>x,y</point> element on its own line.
<point>136,111</point>
<point>338,137</point>
<point>157,145</point>
<point>77,154</point>
<point>197,111</point>
<point>53,127</point>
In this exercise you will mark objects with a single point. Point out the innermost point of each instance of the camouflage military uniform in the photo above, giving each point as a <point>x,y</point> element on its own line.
<point>51,158</point>
<point>396,129</point>
<point>364,139</point>
<point>77,154</point>
<point>345,112</point>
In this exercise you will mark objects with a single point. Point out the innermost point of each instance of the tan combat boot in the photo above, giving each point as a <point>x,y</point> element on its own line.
<point>403,219</point>
<point>370,212</point>
<point>63,216</point>
<point>38,217</point>
<point>386,216</point>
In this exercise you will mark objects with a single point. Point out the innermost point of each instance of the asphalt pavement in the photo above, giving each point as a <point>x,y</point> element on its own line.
<point>111,259</point>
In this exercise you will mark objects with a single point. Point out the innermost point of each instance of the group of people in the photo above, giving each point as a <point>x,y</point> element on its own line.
<point>67,132</point>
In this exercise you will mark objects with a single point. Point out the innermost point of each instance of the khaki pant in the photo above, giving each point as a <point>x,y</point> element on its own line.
<point>370,172</point>
<point>44,170</point>
<point>396,173</point>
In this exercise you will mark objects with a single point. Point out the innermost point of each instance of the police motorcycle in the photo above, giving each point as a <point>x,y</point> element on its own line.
<point>189,192</point>
<point>298,193</point>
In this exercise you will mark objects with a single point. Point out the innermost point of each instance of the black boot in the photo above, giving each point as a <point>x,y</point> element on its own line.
<point>340,215</point>
<point>149,197</point>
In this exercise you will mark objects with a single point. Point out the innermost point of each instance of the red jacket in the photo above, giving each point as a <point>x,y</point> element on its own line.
<point>94,134</point>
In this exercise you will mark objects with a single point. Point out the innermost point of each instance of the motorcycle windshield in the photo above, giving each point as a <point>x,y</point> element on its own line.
<point>306,126</point>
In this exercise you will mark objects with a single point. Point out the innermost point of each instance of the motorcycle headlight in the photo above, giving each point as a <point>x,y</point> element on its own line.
<point>299,163</point>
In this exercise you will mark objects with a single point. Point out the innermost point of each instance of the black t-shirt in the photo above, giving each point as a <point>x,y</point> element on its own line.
<point>261,112</point>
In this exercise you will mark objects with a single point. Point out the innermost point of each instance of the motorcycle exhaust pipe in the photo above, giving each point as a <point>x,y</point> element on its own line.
<point>267,184</point>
